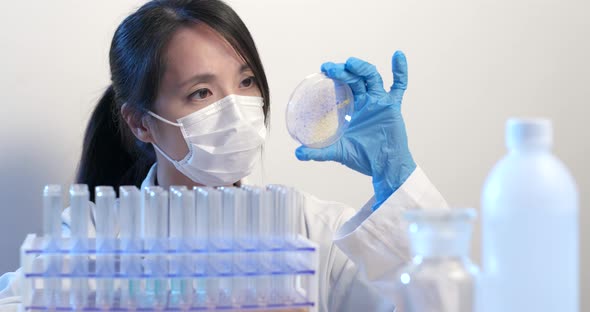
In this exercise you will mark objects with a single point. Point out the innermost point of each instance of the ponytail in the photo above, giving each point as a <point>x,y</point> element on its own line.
<point>111,154</point>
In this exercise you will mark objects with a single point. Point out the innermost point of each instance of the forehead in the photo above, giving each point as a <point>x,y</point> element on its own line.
<point>198,48</point>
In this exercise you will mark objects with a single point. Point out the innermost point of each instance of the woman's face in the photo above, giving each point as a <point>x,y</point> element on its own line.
<point>200,69</point>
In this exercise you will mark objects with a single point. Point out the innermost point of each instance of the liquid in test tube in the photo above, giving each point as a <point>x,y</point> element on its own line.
<point>131,243</point>
<point>105,237</point>
<point>80,217</point>
<point>52,208</point>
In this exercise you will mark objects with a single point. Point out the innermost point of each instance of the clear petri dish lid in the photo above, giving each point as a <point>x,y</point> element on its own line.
<point>319,111</point>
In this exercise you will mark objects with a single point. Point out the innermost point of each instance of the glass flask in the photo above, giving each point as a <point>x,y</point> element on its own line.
<point>440,276</point>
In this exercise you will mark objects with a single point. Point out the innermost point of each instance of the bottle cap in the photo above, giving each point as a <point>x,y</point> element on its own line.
<point>528,132</point>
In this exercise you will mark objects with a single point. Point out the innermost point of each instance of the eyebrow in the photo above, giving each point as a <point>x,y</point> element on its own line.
<point>244,68</point>
<point>208,77</point>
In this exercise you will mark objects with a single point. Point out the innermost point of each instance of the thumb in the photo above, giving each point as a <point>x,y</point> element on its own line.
<point>318,154</point>
<point>399,67</point>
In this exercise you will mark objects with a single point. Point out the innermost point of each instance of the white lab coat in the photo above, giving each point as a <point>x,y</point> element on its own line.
<point>360,251</point>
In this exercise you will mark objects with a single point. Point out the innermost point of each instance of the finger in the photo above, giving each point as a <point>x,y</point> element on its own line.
<point>338,72</point>
<point>399,67</point>
<point>318,154</point>
<point>369,74</point>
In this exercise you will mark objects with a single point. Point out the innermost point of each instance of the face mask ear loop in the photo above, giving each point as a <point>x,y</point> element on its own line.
<point>164,120</point>
<point>174,162</point>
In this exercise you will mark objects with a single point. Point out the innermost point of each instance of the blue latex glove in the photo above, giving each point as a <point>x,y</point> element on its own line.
<point>375,142</point>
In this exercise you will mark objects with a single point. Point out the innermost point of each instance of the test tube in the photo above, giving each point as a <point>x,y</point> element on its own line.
<point>189,260</point>
<point>155,208</point>
<point>130,218</point>
<point>283,214</point>
<point>177,216</point>
<point>188,204</point>
<point>233,208</point>
<point>232,199</point>
<point>105,237</point>
<point>245,287</point>
<point>266,218</point>
<point>215,219</point>
<point>277,216</point>
<point>214,236</point>
<point>247,218</point>
<point>52,207</point>
<point>265,232</point>
<point>181,223</point>
<point>286,213</point>
<point>294,200</point>
<point>130,236</point>
<point>155,213</point>
<point>298,214</point>
<point>224,259</point>
<point>200,268</point>
<point>202,220</point>
<point>80,213</point>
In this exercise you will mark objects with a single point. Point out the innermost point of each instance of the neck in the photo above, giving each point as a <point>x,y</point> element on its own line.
<point>167,175</point>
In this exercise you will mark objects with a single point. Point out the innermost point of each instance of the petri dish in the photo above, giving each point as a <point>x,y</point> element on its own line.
<point>319,111</point>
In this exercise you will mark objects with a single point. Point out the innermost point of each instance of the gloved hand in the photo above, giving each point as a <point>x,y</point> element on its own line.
<point>375,142</point>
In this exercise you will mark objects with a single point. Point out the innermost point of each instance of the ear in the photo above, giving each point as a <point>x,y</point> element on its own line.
<point>137,123</point>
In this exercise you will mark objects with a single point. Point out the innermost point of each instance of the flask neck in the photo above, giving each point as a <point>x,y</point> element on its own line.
<point>441,244</point>
<point>441,235</point>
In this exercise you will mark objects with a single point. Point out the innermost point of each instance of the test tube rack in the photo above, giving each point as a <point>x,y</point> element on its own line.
<point>205,249</point>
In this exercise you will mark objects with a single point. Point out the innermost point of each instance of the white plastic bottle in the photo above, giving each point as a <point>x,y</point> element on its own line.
<point>530,226</point>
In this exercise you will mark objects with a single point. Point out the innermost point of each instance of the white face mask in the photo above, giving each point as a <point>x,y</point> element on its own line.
<point>224,140</point>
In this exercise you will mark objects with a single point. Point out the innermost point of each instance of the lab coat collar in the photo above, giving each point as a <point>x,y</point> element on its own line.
<point>150,178</point>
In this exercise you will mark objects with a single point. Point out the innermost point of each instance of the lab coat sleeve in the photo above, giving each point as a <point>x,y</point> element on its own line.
<point>10,285</point>
<point>341,286</point>
<point>377,242</point>
<point>350,291</point>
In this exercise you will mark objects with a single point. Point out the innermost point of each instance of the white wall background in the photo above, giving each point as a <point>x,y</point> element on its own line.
<point>472,64</point>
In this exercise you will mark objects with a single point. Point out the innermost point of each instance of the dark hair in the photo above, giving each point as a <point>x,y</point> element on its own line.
<point>111,154</point>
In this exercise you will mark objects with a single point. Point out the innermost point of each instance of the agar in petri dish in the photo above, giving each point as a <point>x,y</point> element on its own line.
<point>319,111</point>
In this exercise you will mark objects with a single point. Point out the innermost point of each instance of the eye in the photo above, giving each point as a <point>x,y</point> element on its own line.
<point>200,94</point>
<point>248,82</point>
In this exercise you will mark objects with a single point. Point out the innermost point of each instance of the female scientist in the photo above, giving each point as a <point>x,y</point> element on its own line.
<point>175,62</point>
